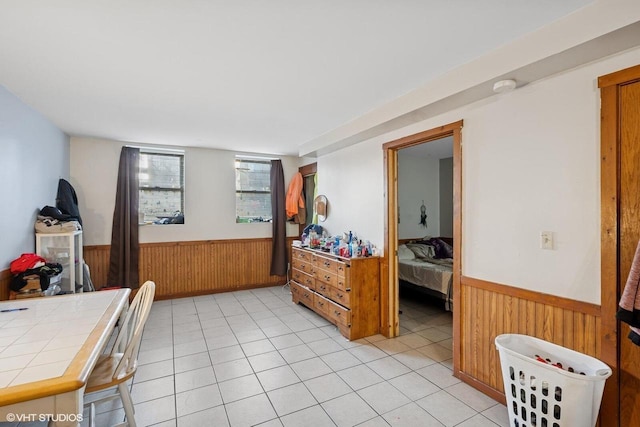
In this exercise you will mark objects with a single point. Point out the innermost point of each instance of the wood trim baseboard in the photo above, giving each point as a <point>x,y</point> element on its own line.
<point>484,388</point>
<point>218,291</point>
<point>556,301</point>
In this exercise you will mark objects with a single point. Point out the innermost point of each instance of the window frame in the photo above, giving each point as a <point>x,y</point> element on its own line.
<point>258,160</point>
<point>182,189</point>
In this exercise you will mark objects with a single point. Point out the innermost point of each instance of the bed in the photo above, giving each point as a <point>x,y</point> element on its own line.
<point>427,264</point>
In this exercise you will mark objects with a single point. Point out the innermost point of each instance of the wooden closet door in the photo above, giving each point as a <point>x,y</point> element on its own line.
<point>629,131</point>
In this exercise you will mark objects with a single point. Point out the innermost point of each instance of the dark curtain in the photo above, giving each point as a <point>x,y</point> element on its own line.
<point>125,247</point>
<point>279,221</point>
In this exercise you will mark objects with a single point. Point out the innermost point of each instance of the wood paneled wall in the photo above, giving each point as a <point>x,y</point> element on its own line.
<point>489,309</point>
<point>196,267</point>
<point>5,278</point>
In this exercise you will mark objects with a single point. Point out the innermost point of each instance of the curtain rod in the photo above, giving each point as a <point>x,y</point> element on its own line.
<point>170,150</point>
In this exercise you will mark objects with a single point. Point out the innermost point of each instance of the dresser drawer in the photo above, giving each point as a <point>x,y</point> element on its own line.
<point>306,296</point>
<point>296,290</point>
<point>339,314</point>
<point>341,268</point>
<point>326,264</point>
<point>304,279</point>
<point>302,255</point>
<point>323,288</point>
<point>340,296</point>
<point>343,282</point>
<point>302,265</point>
<point>325,276</point>
<point>321,304</point>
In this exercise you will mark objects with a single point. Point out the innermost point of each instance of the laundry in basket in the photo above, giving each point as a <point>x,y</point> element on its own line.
<point>547,385</point>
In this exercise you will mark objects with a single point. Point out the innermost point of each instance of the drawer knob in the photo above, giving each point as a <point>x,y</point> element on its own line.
<point>337,313</point>
<point>327,264</point>
<point>327,277</point>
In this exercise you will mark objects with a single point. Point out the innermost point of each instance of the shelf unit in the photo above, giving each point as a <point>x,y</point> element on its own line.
<point>65,249</point>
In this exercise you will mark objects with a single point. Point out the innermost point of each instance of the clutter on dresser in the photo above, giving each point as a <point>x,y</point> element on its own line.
<point>346,245</point>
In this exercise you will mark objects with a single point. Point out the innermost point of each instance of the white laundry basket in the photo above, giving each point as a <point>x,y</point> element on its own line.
<point>540,394</point>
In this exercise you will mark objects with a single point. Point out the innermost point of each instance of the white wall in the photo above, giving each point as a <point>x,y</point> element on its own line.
<point>35,155</point>
<point>418,181</point>
<point>352,179</point>
<point>530,163</point>
<point>209,194</point>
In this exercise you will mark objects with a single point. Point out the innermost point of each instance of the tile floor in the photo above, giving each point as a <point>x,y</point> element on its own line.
<point>253,358</point>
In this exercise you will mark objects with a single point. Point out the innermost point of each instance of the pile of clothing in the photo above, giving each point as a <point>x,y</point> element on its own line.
<point>31,273</point>
<point>63,218</point>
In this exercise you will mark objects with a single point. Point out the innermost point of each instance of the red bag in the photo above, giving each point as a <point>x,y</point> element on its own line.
<point>25,262</point>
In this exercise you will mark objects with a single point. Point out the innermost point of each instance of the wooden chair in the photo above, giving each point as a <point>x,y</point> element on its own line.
<point>116,368</point>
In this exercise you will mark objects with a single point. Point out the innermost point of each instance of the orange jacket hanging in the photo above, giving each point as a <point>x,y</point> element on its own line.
<point>294,196</point>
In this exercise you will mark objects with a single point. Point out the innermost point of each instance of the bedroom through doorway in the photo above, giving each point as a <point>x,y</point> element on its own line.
<point>425,246</point>
<point>423,242</point>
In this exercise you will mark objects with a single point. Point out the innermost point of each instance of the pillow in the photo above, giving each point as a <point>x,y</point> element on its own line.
<point>442,248</point>
<point>422,251</point>
<point>405,253</point>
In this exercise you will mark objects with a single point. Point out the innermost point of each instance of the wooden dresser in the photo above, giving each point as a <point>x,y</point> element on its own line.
<point>345,291</point>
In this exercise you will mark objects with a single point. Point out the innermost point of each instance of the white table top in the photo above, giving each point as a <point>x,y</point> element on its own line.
<point>52,346</point>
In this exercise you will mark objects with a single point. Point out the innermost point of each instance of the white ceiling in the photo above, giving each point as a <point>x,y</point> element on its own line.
<point>254,76</point>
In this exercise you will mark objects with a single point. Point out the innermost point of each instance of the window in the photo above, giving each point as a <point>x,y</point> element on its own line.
<point>253,190</point>
<point>161,177</point>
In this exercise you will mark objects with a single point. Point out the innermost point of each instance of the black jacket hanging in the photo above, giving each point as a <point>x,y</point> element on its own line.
<point>66,200</point>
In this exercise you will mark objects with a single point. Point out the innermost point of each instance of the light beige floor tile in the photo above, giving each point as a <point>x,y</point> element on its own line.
<point>152,389</point>
<point>155,411</point>
<point>446,408</point>
<point>471,397</point>
<point>388,367</point>
<point>348,410</point>
<point>439,375</point>
<point>277,377</point>
<point>193,361</point>
<point>233,369</point>
<point>153,370</point>
<point>327,387</point>
<point>240,388</point>
<point>297,353</point>
<point>290,399</point>
<point>411,415</point>
<point>194,379</point>
<point>360,376</point>
<point>414,386</point>
<point>314,416</point>
<point>262,362</point>
<point>310,368</point>
<point>226,354</point>
<point>197,400</point>
<point>209,417</point>
<point>383,397</point>
<point>250,411</point>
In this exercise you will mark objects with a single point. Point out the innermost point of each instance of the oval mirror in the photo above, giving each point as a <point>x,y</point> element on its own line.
<point>320,205</point>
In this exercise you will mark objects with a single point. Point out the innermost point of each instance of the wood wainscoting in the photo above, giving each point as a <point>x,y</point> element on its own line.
<point>489,309</point>
<point>5,278</point>
<point>182,269</point>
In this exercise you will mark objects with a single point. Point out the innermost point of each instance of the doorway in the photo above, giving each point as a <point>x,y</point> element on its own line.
<point>620,183</point>
<point>389,300</point>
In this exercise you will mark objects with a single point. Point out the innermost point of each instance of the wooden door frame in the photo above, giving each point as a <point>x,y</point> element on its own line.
<point>610,231</point>
<point>389,322</point>
<point>306,170</point>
